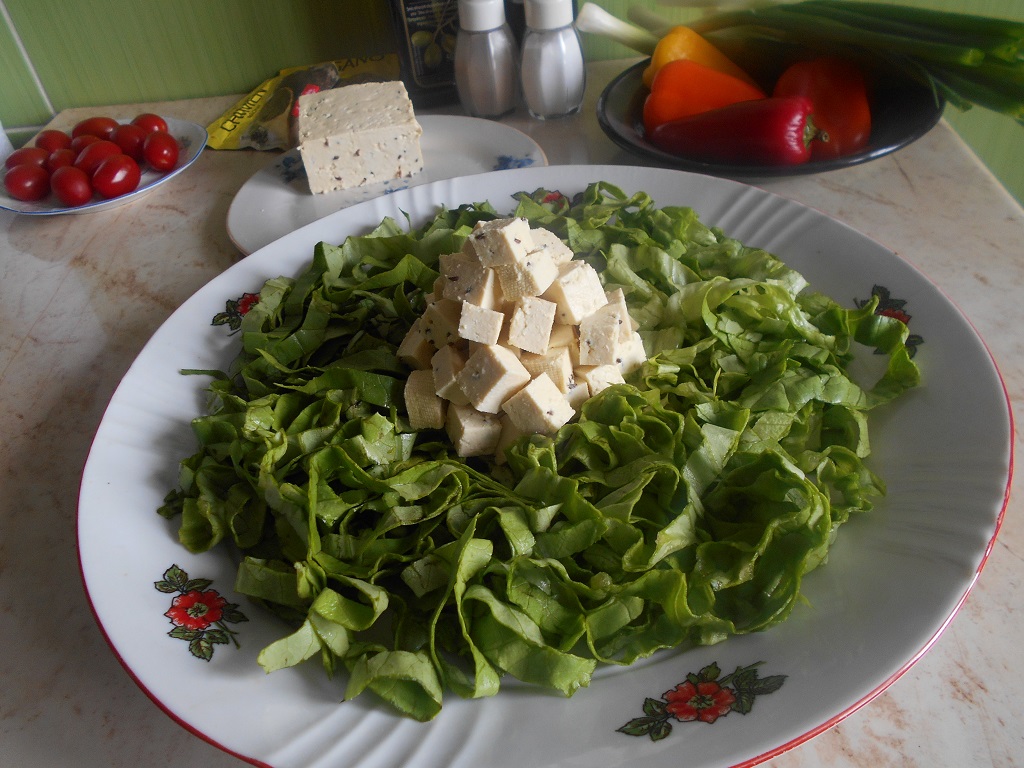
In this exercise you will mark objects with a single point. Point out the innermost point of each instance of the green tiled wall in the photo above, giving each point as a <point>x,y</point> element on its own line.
<point>96,52</point>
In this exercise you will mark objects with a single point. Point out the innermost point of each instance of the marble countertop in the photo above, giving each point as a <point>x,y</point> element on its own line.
<point>81,295</point>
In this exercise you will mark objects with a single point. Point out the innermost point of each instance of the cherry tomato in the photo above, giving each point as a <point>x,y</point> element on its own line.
<point>51,140</point>
<point>81,142</point>
<point>27,156</point>
<point>59,158</point>
<point>129,138</point>
<point>89,159</point>
<point>117,175</point>
<point>71,186</point>
<point>103,127</point>
<point>27,182</point>
<point>150,122</point>
<point>160,150</point>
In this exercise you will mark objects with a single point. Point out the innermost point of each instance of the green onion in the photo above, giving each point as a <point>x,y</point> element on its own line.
<point>595,20</point>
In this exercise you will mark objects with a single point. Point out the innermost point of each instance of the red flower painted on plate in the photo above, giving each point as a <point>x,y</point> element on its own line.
<point>197,610</point>
<point>896,314</point>
<point>704,701</point>
<point>702,697</point>
<point>247,301</point>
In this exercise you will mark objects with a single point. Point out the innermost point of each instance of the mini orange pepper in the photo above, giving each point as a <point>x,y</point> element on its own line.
<point>683,88</point>
<point>684,43</point>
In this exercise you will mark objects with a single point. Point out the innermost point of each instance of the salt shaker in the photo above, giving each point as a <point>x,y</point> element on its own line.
<point>486,71</point>
<point>553,71</point>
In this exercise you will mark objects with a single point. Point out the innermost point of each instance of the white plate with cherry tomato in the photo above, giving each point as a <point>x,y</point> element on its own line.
<point>100,164</point>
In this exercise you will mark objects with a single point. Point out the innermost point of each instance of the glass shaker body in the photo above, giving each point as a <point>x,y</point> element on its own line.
<point>553,72</point>
<point>486,72</point>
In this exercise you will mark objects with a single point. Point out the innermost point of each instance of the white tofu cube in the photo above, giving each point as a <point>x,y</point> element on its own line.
<point>480,324</point>
<point>426,410</point>
<point>578,394</point>
<point>416,349</point>
<point>632,354</point>
<point>545,239</point>
<point>599,377</point>
<point>539,407</point>
<point>472,433</point>
<point>617,305</point>
<point>556,363</point>
<point>441,322</point>
<point>509,434</point>
<point>530,324</point>
<point>502,241</point>
<point>599,339</point>
<point>577,291</point>
<point>529,277</point>
<point>491,375</point>
<point>464,278</point>
<point>445,366</point>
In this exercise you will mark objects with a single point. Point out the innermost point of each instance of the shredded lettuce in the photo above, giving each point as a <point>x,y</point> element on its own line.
<point>678,509</point>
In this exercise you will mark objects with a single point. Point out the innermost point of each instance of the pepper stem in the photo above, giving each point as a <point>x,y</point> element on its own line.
<point>814,133</point>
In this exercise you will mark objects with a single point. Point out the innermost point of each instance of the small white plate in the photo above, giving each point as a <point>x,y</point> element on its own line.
<point>191,138</point>
<point>277,200</point>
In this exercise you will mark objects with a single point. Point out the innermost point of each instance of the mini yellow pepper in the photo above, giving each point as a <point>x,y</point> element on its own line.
<point>683,43</point>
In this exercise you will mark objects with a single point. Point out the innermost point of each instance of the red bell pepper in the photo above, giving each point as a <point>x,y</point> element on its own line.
<point>839,95</point>
<point>772,131</point>
<point>684,87</point>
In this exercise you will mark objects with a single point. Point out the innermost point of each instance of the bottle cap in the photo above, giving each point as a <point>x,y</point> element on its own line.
<point>548,14</point>
<point>481,15</point>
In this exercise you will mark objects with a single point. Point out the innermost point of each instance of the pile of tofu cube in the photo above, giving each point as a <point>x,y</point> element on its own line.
<point>515,337</point>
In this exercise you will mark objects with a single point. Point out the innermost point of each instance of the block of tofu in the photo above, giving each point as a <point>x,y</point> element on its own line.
<point>632,354</point>
<point>501,241</point>
<point>577,291</point>
<point>473,433</point>
<point>416,349</point>
<point>530,324</point>
<point>545,239</point>
<point>617,306</point>
<point>464,278</point>
<point>426,410</point>
<point>441,322</point>
<point>480,324</point>
<point>358,134</point>
<point>529,277</point>
<point>445,366</point>
<point>598,377</point>
<point>599,339</point>
<point>491,375</point>
<point>539,407</point>
<point>509,434</point>
<point>578,394</point>
<point>566,336</point>
<point>556,364</point>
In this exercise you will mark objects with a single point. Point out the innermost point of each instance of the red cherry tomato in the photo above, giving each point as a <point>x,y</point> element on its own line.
<point>71,186</point>
<point>89,159</point>
<point>81,142</point>
<point>51,140</point>
<point>160,150</point>
<point>129,138</point>
<point>27,156</point>
<point>60,158</point>
<point>103,127</point>
<point>150,122</point>
<point>117,175</point>
<point>27,182</point>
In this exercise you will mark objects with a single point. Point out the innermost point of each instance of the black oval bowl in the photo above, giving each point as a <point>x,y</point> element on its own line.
<point>903,109</point>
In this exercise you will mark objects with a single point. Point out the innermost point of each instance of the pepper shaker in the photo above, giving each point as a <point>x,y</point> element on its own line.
<point>486,71</point>
<point>553,70</point>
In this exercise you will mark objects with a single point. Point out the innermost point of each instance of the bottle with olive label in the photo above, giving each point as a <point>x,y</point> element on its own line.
<point>426,31</point>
